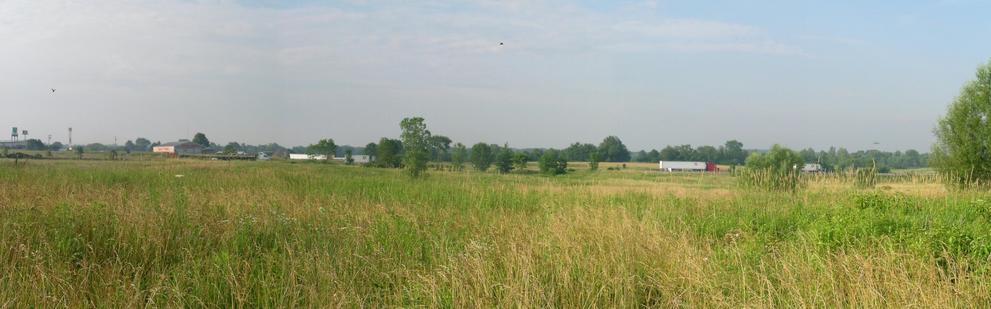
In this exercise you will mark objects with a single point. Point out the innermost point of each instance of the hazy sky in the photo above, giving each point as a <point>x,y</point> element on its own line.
<point>799,73</point>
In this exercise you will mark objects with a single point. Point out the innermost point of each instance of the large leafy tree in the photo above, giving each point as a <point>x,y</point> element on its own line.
<point>733,152</point>
<point>578,152</point>
<point>481,156</point>
<point>200,139</point>
<point>458,156</point>
<point>707,154</point>
<point>520,161</point>
<point>388,153</point>
<point>325,147</point>
<point>142,144</point>
<point>35,144</point>
<point>552,163</point>
<point>371,150</point>
<point>504,160</point>
<point>653,156</point>
<point>417,144</point>
<point>440,148</point>
<point>963,148</point>
<point>612,150</point>
<point>233,147</point>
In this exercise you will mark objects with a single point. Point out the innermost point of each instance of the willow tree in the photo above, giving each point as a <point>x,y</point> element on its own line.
<point>962,152</point>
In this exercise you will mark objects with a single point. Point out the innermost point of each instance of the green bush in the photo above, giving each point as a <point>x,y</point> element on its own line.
<point>552,163</point>
<point>777,170</point>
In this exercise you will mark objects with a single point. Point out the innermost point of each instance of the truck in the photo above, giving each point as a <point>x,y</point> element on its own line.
<point>692,166</point>
<point>813,168</point>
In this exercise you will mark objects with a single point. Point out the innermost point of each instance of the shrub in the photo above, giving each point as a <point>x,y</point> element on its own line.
<point>552,163</point>
<point>778,169</point>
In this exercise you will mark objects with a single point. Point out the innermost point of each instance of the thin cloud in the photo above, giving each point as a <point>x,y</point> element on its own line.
<point>687,29</point>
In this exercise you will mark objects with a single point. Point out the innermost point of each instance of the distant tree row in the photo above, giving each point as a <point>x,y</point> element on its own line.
<point>731,153</point>
<point>841,159</point>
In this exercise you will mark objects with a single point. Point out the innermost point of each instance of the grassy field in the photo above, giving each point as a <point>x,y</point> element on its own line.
<point>275,234</point>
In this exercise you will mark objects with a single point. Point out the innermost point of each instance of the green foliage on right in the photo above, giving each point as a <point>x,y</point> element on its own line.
<point>777,170</point>
<point>963,148</point>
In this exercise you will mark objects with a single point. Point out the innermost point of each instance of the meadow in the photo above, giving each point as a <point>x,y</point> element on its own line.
<point>187,233</point>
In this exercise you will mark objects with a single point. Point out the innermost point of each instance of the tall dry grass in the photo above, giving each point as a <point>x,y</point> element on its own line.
<point>257,234</point>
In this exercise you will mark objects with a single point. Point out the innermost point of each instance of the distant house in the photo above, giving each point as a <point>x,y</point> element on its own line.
<point>303,156</point>
<point>812,168</point>
<point>177,148</point>
<point>356,158</point>
<point>14,144</point>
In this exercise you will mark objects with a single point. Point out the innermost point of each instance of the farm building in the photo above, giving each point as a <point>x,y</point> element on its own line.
<point>179,148</point>
<point>14,144</point>
<point>812,168</point>
<point>691,166</point>
<point>356,158</point>
<point>303,156</point>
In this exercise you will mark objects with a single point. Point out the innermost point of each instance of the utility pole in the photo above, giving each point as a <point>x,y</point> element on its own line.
<point>70,138</point>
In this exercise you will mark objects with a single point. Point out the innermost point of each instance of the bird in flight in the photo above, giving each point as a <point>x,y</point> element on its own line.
<point>500,44</point>
<point>53,90</point>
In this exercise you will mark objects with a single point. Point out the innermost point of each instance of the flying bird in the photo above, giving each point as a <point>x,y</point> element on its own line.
<point>53,90</point>
<point>500,43</point>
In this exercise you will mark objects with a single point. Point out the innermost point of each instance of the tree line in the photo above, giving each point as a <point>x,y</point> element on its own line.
<point>389,152</point>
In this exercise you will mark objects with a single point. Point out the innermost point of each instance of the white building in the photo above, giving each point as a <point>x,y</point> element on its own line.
<point>178,148</point>
<point>671,166</point>
<point>356,158</point>
<point>812,168</point>
<point>303,156</point>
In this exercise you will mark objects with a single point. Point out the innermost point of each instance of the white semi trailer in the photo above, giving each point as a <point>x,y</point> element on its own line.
<point>672,166</point>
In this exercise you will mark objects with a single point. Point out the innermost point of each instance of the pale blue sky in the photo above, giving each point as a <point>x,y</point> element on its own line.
<point>799,73</point>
